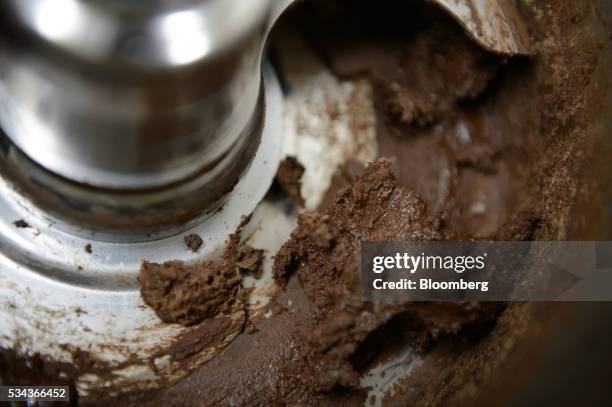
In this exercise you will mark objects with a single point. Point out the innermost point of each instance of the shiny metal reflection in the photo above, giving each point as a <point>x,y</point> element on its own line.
<point>129,94</point>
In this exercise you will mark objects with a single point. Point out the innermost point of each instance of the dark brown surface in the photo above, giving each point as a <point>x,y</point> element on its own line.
<point>459,123</point>
<point>189,293</point>
<point>289,177</point>
<point>250,261</point>
<point>263,367</point>
<point>374,207</point>
<point>21,224</point>
<point>324,253</point>
<point>193,242</point>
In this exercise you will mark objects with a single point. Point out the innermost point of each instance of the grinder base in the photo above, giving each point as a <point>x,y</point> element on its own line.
<point>58,293</point>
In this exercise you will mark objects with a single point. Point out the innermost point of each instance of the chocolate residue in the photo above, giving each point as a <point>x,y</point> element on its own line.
<point>440,68</point>
<point>250,261</point>
<point>21,224</point>
<point>324,252</point>
<point>288,177</point>
<point>459,121</point>
<point>367,210</point>
<point>344,176</point>
<point>88,248</point>
<point>193,242</point>
<point>520,227</point>
<point>189,293</point>
<point>437,118</point>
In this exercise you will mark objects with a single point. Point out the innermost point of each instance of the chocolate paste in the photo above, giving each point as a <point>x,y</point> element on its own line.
<point>189,293</point>
<point>458,121</point>
<point>193,242</point>
<point>289,177</point>
<point>324,253</point>
<point>250,261</point>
